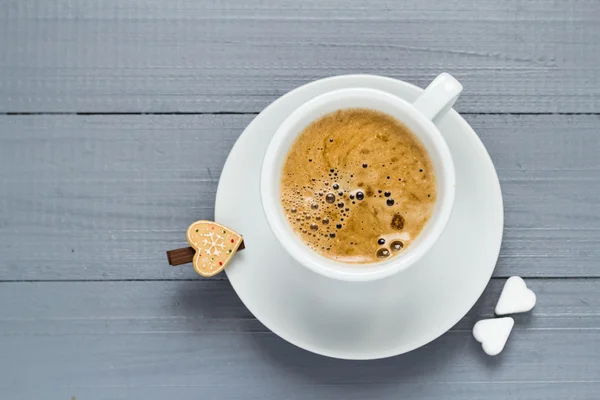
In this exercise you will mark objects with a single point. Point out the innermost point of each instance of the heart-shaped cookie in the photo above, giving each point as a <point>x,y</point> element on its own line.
<point>493,334</point>
<point>515,297</point>
<point>214,244</point>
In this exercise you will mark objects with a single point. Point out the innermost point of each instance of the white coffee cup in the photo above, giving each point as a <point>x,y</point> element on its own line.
<point>435,101</point>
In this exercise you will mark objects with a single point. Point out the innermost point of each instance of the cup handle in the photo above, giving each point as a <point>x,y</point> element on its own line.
<point>439,97</point>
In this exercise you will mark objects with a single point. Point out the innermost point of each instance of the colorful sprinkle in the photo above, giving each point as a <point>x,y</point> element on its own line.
<point>224,231</point>
<point>196,230</point>
<point>220,263</point>
<point>232,240</point>
<point>229,251</point>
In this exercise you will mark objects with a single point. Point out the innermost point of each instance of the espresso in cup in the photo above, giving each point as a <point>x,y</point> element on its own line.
<point>357,186</point>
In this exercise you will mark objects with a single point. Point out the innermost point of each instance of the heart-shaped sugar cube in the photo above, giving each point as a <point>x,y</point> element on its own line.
<point>493,334</point>
<point>215,245</point>
<point>515,297</point>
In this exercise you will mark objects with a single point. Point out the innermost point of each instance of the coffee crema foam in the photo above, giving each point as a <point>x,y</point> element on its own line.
<point>357,186</point>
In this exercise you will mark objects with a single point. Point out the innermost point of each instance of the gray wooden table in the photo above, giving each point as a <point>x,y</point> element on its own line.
<point>116,117</point>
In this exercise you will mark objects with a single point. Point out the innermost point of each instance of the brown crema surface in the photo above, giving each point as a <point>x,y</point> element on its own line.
<point>357,186</point>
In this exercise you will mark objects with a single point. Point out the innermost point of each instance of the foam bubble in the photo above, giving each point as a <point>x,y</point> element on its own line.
<point>396,245</point>
<point>383,253</point>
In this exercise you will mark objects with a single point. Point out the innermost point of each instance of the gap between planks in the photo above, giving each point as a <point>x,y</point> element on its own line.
<point>495,278</point>
<point>11,113</point>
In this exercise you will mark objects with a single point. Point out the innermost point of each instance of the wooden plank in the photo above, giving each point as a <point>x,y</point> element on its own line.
<point>239,55</point>
<point>398,388</point>
<point>103,197</point>
<point>151,340</point>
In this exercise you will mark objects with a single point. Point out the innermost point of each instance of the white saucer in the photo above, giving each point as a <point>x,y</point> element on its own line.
<point>373,319</point>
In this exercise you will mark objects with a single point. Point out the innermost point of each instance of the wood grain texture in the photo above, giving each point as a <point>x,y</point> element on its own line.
<point>189,340</point>
<point>239,55</point>
<point>103,197</point>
